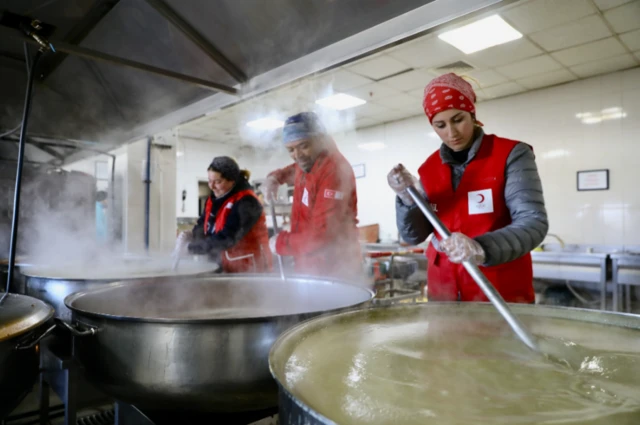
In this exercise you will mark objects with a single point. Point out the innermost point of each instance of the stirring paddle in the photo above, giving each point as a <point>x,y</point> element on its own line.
<point>275,232</point>
<point>180,244</point>
<point>176,261</point>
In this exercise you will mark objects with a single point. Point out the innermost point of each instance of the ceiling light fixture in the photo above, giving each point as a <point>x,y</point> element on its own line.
<point>266,124</point>
<point>480,35</point>
<point>556,153</point>
<point>372,146</point>
<point>615,113</point>
<point>340,101</point>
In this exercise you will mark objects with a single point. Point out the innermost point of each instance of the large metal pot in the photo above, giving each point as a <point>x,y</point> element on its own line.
<point>21,323</point>
<point>361,388</point>
<point>53,284</point>
<point>198,344</point>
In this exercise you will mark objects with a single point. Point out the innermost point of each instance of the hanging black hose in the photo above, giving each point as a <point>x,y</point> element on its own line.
<point>9,132</point>
<point>147,195</point>
<point>16,195</point>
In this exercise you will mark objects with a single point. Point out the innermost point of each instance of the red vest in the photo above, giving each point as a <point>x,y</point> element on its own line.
<point>251,253</point>
<point>324,233</point>
<point>476,207</point>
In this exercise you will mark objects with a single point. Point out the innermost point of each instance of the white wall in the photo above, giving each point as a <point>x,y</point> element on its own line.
<point>162,217</point>
<point>564,145</point>
<point>546,119</point>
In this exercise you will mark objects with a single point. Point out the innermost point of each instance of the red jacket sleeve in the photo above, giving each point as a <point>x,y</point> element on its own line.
<point>332,201</point>
<point>286,175</point>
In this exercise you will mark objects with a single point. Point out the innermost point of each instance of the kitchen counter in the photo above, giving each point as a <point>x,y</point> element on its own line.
<point>573,266</point>
<point>625,270</point>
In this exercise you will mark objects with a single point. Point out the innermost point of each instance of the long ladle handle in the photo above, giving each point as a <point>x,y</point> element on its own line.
<point>482,281</point>
<point>275,232</point>
<point>177,252</point>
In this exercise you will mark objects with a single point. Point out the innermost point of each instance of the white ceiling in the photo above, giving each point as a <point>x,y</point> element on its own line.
<point>564,40</point>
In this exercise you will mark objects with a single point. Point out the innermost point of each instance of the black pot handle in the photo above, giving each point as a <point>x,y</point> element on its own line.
<point>32,342</point>
<point>89,330</point>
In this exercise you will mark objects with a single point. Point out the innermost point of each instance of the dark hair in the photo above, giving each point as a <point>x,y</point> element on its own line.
<point>245,174</point>
<point>101,196</point>
<point>228,169</point>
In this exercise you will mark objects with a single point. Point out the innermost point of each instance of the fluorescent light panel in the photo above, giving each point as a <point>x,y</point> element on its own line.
<point>480,35</point>
<point>372,146</point>
<point>266,124</point>
<point>340,101</point>
<point>556,153</point>
<point>615,113</point>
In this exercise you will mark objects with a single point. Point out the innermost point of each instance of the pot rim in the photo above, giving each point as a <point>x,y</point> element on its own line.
<point>44,313</point>
<point>40,272</point>
<point>69,300</point>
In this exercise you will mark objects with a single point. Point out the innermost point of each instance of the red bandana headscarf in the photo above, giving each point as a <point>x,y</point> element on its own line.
<point>448,91</point>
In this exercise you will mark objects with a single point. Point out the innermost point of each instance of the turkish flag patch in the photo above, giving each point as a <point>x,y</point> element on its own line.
<point>333,194</point>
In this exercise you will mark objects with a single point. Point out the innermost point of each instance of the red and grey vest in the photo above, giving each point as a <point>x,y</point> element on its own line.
<point>476,207</point>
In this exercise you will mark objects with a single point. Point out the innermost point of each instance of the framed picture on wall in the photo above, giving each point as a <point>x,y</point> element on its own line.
<point>359,170</point>
<point>593,180</point>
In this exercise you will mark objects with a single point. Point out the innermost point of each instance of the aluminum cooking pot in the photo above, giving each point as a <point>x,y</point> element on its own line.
<point>455,363</point>
<point>52,284</point>
<point>22,321</point>
<point>196,344</point>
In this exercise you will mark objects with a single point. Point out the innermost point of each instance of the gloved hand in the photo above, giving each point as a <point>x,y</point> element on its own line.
<point>459,248</point>
<point>400,179</point>
<point>270,189</point>
<point>272,243</point>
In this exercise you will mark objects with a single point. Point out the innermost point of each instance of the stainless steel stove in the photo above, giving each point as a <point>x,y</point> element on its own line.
<point>64,376</point>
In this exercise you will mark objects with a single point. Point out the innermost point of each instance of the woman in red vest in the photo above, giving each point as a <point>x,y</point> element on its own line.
<point>233,228</point>
<point>485,189</point>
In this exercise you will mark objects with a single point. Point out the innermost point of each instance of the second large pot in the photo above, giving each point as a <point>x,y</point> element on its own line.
<point>196,344</point>
<point>52,284</point>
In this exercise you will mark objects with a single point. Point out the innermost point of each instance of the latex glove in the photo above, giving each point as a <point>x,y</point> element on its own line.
<point>181,243</point>
<point>399,180</point>
<point>459,248</point>
<point>272,243</point>
<point>270,189</point>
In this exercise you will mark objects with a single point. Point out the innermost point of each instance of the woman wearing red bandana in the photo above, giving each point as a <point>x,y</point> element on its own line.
<point>485,189</point>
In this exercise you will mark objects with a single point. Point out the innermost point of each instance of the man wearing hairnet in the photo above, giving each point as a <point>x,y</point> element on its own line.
<point>323,239</point>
